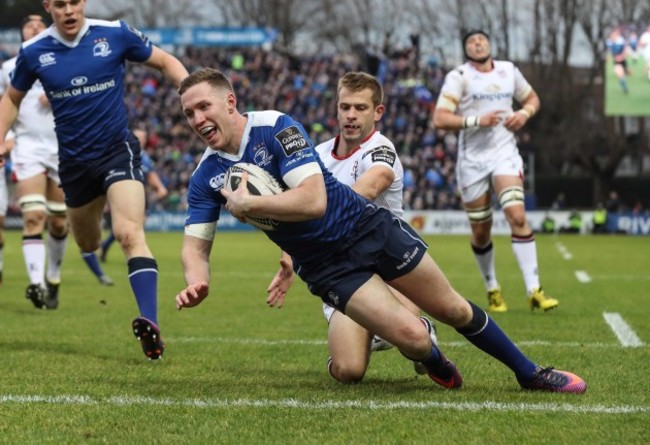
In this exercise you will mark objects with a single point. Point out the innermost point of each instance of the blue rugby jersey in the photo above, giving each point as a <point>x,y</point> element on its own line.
<point>278,144</point>
<point>84,81</point>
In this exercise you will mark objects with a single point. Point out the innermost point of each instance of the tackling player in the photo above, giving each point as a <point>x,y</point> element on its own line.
<point>364,159</point>
<point>476,98</point>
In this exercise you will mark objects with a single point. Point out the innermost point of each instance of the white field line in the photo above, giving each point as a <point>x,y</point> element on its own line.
<point>583,276</point>
<point>260,341</point>
<point>622,330</point>
<point>563,251</point>
<point>325,405</point>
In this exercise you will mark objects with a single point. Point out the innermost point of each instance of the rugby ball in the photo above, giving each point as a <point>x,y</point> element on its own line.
<point>260,183</point>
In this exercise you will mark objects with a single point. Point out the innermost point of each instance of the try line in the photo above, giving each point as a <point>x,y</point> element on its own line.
<point>324,405</point>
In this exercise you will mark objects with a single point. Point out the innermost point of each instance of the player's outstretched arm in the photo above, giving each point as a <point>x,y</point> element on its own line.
<point>281,282</point>
<point>168,65</point>
<point>195,256</point>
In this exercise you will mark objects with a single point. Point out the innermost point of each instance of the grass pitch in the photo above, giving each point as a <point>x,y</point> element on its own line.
<point>237,372</point>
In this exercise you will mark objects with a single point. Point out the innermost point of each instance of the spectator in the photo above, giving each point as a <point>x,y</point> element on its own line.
<point>575,223</point>
<point>613,204</point>
<point>548,224</point>
<point>600,219</point>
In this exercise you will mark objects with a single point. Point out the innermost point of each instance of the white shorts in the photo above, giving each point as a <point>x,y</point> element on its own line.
<point>26,164</point>
<point>328,311</point>
<point>4,195</point>
<point>475,178</point>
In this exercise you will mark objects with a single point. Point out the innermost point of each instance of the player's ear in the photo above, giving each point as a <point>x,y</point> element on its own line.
<point>231,101</point>
<point>379,112</point>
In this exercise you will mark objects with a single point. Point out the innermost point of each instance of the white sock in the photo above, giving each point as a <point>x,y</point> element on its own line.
<point>485,259</point>
<point>525,250</point>
<point>56,252</point>
<point>34,253</point>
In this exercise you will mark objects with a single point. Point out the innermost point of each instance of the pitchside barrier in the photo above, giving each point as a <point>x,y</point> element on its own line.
<point>426,222</point>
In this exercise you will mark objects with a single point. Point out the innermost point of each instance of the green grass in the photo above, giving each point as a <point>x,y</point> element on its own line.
<point>637,101</point>
<point>238,372</point>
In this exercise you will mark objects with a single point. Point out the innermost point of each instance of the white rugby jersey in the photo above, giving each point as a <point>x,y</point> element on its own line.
<point>375,150</point>
<point>34,126</point>
<point>469,92</point>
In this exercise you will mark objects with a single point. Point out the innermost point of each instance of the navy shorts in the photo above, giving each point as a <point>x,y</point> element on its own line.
<point>381,244</point>
<point>83,181</point>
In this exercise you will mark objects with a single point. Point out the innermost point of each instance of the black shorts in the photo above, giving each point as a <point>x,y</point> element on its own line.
<point>381,244</point>
<point>83,181</point>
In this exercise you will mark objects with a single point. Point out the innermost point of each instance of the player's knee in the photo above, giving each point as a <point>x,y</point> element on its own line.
<point>33,203</point>
<point>479,215</point>
<point>512,196</point>
<point>345,372</point>
<point>55,208</point>
<point>414,340</point>
<point>58,226</point>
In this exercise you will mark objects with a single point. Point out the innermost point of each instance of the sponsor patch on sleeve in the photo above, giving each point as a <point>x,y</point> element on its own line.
<point>292,140</point>
<point>383,154</point>
<point>138,33</point>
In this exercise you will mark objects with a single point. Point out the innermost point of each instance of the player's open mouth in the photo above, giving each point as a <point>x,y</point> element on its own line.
<point>352,127</point>
<point>70,22</point>
<point>207,132</point>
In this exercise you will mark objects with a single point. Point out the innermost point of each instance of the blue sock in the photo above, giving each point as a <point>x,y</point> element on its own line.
<point>91,260</point>
<point>485,334</point>
<point>108,241</point>
<point>143,275</point>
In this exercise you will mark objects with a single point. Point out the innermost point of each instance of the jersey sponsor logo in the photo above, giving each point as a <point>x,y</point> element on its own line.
<point>292,140</point>
<point>383,154</point>
<point>139,34</point>
<point>408,257</point>
<point>79,81</point>
<point>217,182</point>
<point>101,48</point>
<point>83,89</point>
<point>492,96</point>
<point>46,59</point>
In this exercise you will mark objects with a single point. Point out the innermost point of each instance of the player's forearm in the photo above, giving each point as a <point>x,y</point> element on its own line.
<point>174,70</point>
<point>195,270</point>
<point>305,202</point>
<point>195,257</point>
<point>446,120</point>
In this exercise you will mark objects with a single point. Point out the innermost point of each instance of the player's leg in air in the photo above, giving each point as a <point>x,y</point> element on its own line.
<point>620,69</point>
<point>126,200</point>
